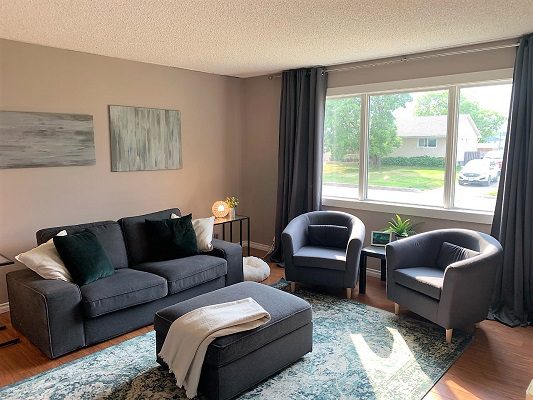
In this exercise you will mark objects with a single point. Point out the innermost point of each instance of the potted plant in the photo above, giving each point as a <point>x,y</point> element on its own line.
<point>232,203</point>
<point>400,228</point>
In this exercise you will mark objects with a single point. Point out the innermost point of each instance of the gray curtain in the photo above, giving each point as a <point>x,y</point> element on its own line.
<point>301,129</point>
<point>512,301</point>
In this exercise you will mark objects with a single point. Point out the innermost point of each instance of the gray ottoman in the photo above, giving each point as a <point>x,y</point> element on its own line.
<point>237,362</point>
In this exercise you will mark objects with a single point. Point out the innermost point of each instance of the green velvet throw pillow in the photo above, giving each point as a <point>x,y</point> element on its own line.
<point>84,257</point>
<point>171,238</point>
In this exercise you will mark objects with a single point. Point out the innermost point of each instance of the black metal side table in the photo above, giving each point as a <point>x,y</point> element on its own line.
<point>230,221</point>
<point>3,262</point>
<point>375,252</point>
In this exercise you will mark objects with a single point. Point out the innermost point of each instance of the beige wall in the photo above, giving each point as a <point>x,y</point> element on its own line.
<point>261,131</point>
<point>36,78</point>
<point>260,155</point>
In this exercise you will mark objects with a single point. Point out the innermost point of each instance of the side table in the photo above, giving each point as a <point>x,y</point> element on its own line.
<point>230,221</point>
<point>3,262</point>
<point>375,252</point>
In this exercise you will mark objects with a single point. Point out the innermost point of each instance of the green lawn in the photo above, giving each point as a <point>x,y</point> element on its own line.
<point>396,177</point>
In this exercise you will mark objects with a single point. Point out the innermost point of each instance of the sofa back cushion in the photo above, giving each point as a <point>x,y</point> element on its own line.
<point>136,235</point>
<point>328,236</point>
<point>108,233</point>
<point>450,253</point>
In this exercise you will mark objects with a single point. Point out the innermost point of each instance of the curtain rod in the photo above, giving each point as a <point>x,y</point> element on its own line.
<point>414,58</point>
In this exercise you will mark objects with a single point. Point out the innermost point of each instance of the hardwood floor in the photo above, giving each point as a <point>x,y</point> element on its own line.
<point>497,365</point>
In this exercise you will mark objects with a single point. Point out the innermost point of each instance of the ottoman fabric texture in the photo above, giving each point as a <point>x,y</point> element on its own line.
<point>283,340</point>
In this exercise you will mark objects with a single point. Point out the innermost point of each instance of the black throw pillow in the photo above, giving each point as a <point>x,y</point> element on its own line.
<point>84,257</point>
<point>328,236</point>
<point>171,238</point>
<point>450,253</point>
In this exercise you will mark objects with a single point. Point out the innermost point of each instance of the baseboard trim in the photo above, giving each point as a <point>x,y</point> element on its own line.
<point>373,272</point>
<point>258,246</point>
<point>4,307</point>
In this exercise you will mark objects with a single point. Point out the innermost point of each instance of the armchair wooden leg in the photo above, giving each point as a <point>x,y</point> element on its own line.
<point>348,293</point>
<point>396,308</point>
<point>293,287</point>
<point>449,333</point>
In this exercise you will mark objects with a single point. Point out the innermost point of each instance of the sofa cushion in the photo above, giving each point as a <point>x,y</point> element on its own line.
<point>136,236</point>
<point>328,236</point>
<point>125,288</point>
<point>450,253</point>
<point>424,280</point>
<point>108,233</point>
<point>84,257</point>
<point>321,257</point>
<point>171,238</point>
<point>184,273</point>
<point>288,313</point>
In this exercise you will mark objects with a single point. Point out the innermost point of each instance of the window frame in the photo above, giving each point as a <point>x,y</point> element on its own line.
<point>453,84</point>
<point>427,139</point>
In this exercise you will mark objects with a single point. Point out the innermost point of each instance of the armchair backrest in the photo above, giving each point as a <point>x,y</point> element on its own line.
<point>423,249</point>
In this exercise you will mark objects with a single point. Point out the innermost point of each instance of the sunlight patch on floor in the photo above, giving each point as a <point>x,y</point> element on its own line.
<point>398,357</point>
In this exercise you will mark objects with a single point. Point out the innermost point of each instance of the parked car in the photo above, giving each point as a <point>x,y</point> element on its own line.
<point>496,159</point>
<point>481,171</point>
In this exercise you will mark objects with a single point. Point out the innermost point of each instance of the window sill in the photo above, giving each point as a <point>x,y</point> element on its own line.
<point>478,217</point>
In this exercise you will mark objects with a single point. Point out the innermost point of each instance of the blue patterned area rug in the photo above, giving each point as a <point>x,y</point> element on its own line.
<point>359,352</point>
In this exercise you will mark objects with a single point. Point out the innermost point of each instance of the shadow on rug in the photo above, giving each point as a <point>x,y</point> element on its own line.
<point>359,352</point>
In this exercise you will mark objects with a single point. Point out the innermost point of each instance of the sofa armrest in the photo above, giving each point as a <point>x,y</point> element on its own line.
<point>48,312</point>
<point>294,236</point>
<point>353,250</point>
<point>232,253</point>
<point>467,290</point>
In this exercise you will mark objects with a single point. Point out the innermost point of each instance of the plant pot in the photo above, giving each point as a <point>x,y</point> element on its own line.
<point>397,237</point>
<point>231,214</point>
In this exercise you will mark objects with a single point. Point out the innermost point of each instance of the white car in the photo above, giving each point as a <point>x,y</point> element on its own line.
<point>496,159</point>
<point>482,172</point>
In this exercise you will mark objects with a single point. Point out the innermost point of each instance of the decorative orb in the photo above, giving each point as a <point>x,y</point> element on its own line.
<point>220,209</point>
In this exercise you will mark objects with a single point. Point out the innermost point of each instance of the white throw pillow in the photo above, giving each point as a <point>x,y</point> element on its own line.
<point>45,261</point>
<point>203,228</point>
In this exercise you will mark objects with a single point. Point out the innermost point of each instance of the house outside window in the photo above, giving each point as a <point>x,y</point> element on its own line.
<point>417,148</point>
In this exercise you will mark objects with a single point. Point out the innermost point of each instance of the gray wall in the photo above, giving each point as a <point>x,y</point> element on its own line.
<point>37,78</point>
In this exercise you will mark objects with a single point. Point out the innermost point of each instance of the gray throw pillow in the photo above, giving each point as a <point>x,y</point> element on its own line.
<point>328,236</point>
<point>450,253</point>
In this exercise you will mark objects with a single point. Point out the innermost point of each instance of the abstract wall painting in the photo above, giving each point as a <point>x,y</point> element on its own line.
<point>38,139</point>
<point>144,139</point>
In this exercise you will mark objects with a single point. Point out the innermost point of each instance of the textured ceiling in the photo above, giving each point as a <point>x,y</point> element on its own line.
<point>254,37</point>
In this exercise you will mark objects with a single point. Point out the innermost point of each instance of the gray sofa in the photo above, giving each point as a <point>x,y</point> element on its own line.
<point>323,248</point>
<point>452,295</point>
<point>59,317</point>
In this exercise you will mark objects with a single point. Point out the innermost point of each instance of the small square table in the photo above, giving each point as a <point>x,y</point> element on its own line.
<point>6,261</point>
<point>375,252</point>
<point>230,221</point>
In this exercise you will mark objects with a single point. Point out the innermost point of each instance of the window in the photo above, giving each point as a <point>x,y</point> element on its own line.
<point>427,143</point>
<point>401,147</point>
<point>342,131</point>
<point>482,127</point>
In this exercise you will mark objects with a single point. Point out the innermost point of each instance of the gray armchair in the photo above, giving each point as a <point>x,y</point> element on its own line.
<point>323,248</point>
<point>446,276</point>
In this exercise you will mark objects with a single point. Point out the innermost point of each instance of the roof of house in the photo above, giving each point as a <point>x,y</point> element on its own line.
<point>431,126</point>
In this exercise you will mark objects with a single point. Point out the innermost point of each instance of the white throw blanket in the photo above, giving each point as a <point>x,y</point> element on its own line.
<point>190,335</point>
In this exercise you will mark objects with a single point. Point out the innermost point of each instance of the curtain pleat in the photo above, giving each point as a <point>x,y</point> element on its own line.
<point>301,130</point>
<point>512,301</point>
